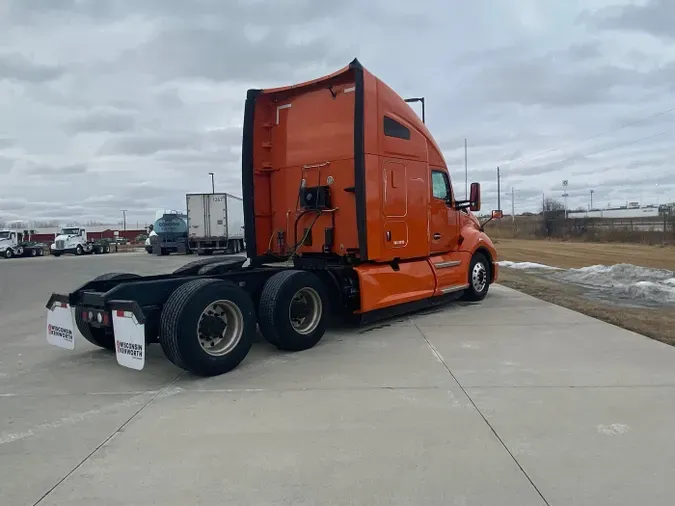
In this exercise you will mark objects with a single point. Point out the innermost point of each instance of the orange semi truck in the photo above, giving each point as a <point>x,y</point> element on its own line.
<point>349,213</point>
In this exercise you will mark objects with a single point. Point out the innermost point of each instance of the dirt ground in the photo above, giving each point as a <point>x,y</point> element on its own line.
<point>575,255</point>
<point>657,323</point>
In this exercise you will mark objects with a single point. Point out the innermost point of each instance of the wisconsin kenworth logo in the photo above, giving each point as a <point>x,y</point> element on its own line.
<point>65,334</point>
<point>132,350</point>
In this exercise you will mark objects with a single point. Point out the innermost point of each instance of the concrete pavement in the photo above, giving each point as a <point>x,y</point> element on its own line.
<point>510,401</point>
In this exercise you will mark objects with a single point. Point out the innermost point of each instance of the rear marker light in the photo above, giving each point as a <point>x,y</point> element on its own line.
<point>106,319</point>
<point>85,315</point>
<point>120,313</point>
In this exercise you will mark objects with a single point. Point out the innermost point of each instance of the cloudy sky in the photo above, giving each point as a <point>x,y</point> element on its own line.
<point>129,104</point>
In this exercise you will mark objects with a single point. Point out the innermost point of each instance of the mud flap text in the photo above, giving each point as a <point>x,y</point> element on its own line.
<point>129,340</point>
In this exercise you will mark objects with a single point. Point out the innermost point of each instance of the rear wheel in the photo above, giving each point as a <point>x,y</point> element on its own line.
<point>293,311</point>
<point>40,252</point>
<point>207,326</point>
<point>102,337</point>
<point>479,278</point>
<point>33,252</point>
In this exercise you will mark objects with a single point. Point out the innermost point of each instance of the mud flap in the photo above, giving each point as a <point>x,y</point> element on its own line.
<point>60,322</point>
<point>129,330</point>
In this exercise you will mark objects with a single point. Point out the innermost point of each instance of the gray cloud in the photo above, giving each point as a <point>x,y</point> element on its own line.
<point>6,142</point>
<point>654,17</point>
<point>6,164</point>
<point>102,121</point>
<point>158,87</point>
<point>61,170</point>
<point>149,144</point>
<point>14,66</point>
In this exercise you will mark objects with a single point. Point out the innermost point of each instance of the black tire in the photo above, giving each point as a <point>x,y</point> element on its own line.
<point>33,252</point>
<point>9,253</point>
<point>478,288</point>
<point>274,313</point>
<point>79,250</point>
<point>100,336</point>
<point>179,321</point>
<point>40,252</point>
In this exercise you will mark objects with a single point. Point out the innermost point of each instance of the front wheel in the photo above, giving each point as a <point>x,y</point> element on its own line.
<point>293,311</point>
<point>479,278</point>
<point>9,253</point>
<point>79,250</point>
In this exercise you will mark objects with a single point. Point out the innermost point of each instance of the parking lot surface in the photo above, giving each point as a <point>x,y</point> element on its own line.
<point>512,401</point>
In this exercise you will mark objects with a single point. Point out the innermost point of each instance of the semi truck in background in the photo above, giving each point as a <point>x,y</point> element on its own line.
<point>14,243</point>
<point>350,215</point>
<point>75,240</point>
<point>215,222</point>
<point>168,234</point>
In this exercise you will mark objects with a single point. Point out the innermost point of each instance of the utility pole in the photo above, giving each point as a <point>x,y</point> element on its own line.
<point>124,219</point>
<point>213,185</point>
<point>513,204</point>
<point>565,194</point>
<point>499,191</point>
<point>591,200</point>
<point>466,171</point>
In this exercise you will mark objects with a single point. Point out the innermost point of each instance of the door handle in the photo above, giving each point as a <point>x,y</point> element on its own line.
<point>437,236</point>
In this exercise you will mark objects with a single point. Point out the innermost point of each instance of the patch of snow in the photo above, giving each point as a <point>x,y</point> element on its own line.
<point>526,265</point>
<point>613,429</point>
<point>625,281</point>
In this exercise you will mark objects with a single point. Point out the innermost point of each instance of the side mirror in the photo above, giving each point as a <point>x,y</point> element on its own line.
<point>497,215</point>
<point>474,197</point>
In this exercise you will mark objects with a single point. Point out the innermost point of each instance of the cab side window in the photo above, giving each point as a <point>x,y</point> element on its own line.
<point>440,186</point>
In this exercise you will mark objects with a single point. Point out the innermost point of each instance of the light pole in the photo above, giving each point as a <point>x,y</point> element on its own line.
<point>418,99</point>
<point>213,184</point>
<point>466,172</point>
<point>591,200</point>
<point>124,219</point>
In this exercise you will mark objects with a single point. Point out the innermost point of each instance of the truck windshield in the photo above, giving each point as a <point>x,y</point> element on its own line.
<point>70,231</point>
<point>4,234</point>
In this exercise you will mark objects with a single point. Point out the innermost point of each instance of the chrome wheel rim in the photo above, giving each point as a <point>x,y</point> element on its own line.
<point>220,328</point>
<point>305,310</point>
<point>479,277</point>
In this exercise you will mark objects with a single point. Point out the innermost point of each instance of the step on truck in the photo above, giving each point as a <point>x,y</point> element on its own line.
<point>349,215</point>
<point>75,241</point>
<point>215,223</point>
<point>14,243</point>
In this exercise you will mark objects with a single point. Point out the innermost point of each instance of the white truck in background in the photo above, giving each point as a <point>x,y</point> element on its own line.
<point>215,223</point>
<point>74,240</point>
<point>14,243</point>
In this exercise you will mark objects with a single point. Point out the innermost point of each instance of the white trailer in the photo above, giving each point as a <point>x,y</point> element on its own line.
<point>215,223</point>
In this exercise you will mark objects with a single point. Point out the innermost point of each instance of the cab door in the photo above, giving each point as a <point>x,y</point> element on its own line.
<point>443,220</point>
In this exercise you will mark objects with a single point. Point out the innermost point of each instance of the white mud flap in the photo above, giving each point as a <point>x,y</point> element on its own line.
<point>60,324</point>
<point>129,336</point>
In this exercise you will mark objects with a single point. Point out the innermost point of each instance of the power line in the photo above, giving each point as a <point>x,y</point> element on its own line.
<point>625,125</point>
